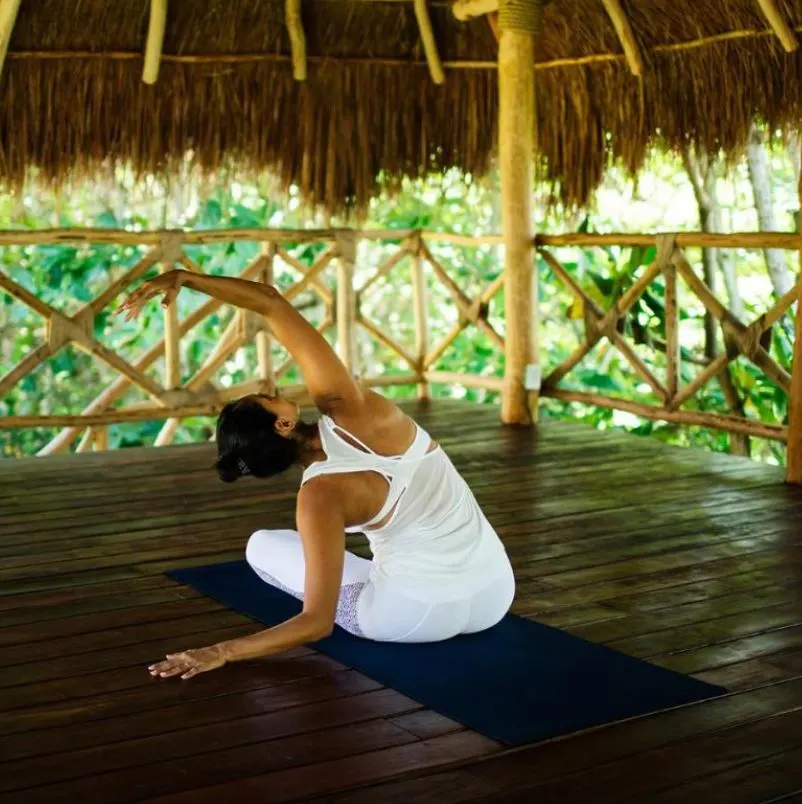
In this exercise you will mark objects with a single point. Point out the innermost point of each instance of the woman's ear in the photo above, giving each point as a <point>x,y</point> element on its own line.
<point>285,427</point>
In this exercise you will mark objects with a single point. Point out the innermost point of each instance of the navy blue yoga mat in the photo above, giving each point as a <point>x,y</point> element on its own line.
<point>519,682</point>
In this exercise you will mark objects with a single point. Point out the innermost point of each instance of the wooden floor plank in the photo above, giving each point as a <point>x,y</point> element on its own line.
<point>691,559</point>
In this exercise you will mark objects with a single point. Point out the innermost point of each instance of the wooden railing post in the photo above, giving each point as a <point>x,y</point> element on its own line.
<point>346,300</point>
<point>519,22</point>
<point>170,253</point>
<point>419,301</point>
<point>264,354</point>
<point>794,459</point>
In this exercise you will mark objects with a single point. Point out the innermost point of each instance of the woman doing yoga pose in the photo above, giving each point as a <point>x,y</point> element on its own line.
<point>438,567</point>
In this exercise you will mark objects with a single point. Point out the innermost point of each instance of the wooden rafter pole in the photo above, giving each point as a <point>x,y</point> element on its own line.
<point>295,29</point>
<point>429,43</point>
<point>519,23</point>
<point>467,9</point>
<point>779,25</point>
<point>8,16</point>
<point>153,48</point>
<point>625,35</point>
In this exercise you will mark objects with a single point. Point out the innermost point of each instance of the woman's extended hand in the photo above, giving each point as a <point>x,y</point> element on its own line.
<point>189,663</point>
<point>168,284</point>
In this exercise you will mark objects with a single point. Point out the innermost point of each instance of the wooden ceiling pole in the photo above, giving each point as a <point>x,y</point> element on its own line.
<point>625,35</point>
<point>467,9</point>
<point>153,48</point>
<point>519,24</point>
<point>295,28</point>
<point>429,43</point>
<point>779,25</point>
<point>8,16</point>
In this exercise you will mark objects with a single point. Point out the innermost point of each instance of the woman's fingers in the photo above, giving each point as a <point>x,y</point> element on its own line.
<point>193,672</point>
<point>172,666</point>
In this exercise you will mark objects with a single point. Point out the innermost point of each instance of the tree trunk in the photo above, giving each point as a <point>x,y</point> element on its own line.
<point>781,278</point>
<point>703,179</point>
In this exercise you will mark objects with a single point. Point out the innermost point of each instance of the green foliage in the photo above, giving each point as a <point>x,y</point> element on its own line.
<point>67,277</point>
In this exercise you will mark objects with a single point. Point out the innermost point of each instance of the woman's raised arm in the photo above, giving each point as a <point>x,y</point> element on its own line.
<point>329,382</point>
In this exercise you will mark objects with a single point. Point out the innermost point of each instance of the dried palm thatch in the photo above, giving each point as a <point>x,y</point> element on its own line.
<point>73,102</point>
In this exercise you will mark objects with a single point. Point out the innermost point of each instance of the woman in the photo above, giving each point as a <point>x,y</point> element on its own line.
<point>438,568</point>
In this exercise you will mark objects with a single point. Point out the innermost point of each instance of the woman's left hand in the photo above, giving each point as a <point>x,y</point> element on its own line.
<point>189,663</point>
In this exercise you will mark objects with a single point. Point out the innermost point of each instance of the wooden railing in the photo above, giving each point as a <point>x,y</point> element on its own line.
<point>670,266</point>
<point>173,397</point>
<point>333,277</point>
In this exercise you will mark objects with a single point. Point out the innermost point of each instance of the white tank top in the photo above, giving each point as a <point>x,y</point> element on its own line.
<point>437,545</point>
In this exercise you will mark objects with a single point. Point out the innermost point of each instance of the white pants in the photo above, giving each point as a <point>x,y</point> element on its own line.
<point>378,611</point>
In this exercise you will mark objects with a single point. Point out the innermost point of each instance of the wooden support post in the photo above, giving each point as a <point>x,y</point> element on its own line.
<point>264,355</point>
<point>779,25</point>
<point>170,253</point>
<point>672,334</point>
<point>419,301</point>
<point>794,467</point>
<point>346,300</point>
<point>295,29</point>
<point>429,43</point>
<point>100,438</point>
<point>625,35</point>
<point>519,22</point>
<point>794,460</point>
<point>8,16</point>
<point>153,48</point>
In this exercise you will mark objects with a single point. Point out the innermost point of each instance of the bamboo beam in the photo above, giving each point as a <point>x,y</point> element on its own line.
<point>132,275</point>
<point>467,318</point>
<point>471,311</point>
<point>264,352</point>
<point>24,367</point>
<point>779,25</point>
<point>100,438</point>
<point>468,9</point>
<point>85,444</point>
<point>295,29</point>
<point>319,287</point>
<point>8,17</point>
<point>155,42</point>
<point>421,320</point>
<point>346,303</point>
<point>743,34</point>
<point>715,421</point>
<point>468,380</point>
<point>385,268</point>
<point>673,364</point>
<point>121,384</point>
<point>382,337</point>
<point>747,240</point>
<point>323,259</point>
<point>625,35</point>
<point>429,43</point>
<point>519,22</point>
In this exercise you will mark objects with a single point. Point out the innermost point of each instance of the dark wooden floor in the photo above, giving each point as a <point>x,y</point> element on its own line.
<point>690,560</point>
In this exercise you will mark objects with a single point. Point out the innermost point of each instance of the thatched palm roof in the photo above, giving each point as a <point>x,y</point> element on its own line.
<point>72,99</point>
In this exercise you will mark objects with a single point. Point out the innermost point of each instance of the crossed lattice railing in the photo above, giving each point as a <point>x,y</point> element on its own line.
<point>740,339</point>
<point>174,396</point>
<point>341,286</point>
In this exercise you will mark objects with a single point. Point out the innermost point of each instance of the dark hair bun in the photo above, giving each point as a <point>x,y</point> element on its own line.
<point>228,468</point>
